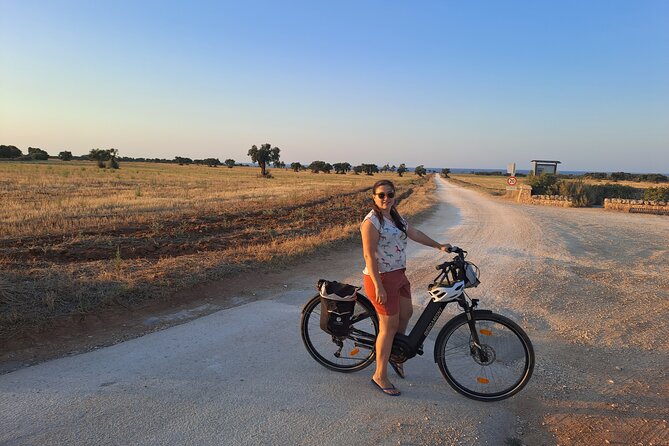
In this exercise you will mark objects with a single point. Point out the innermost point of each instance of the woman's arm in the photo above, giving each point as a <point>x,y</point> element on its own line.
<point>370,241</point>
<point>419,237</point>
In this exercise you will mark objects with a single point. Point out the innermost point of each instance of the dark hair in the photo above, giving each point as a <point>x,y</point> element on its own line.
<point>394,214</point>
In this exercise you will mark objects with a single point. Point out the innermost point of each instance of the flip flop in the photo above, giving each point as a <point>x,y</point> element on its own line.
<point>388,390</point>
<point>399,369</point>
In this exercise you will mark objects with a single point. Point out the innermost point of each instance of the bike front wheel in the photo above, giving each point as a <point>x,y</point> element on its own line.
<point>349,353</point>
<point>497,368</point>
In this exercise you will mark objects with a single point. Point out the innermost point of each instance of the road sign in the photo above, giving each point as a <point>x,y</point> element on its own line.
<point>511,168</point>
<point>511,181</point>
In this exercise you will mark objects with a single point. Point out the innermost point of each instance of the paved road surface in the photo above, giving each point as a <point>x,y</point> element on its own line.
<point>242,376</point>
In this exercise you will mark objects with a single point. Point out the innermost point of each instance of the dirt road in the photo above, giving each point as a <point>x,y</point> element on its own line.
<point>591,287</point>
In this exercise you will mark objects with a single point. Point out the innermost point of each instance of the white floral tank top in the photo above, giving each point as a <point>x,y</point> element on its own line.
<point>391,252</point>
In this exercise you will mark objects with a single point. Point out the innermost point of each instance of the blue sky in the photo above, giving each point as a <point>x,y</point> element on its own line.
<point>446,83</point>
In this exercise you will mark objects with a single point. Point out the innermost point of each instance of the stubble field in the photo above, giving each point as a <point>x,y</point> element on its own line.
<point>74,237</point>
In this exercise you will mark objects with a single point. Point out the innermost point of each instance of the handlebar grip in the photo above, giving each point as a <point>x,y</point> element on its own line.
<point>454,249</point>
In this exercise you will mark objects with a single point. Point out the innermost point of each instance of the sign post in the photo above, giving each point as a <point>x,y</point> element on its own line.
<point>512,183</point>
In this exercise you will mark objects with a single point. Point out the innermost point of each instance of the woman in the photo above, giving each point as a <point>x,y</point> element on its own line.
<point>384,240</point>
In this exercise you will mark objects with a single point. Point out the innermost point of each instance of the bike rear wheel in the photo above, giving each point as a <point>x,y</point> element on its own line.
<point>496,370</point>
<point>341,353</point>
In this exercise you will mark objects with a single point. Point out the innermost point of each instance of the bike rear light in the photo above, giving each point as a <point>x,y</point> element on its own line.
<point>355,351</point>
<point>486,332</point>
<point>482,380</point>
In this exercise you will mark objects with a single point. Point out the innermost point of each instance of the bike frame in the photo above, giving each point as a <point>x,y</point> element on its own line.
<point>407,346</point>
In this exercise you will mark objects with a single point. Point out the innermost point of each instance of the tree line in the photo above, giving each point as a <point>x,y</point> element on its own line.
<point>264,156</point>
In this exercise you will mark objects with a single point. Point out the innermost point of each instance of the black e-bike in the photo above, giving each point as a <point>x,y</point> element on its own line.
<point>482,355</point>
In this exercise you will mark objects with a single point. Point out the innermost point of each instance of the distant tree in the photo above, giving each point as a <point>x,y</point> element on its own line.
<point>296,167</point>
<point>263,155</point>
<point>318,166</point>
<point>445,171</point>
<point>420,171</point>
<point>106,158</point>
<point>37,154</point>
<point>230,163</point>
<point>370,169</point>
<point>358,169</point>
<point>654,178</point>
<point>620,176</point>
<point>341,168</point>
<point>386,168</point>
<point>393,168</point>
<point>401,169</point>
<point>279,164</point>
<point>65,156</point>
<point>181,160</point>
<point>10,152</point>
<point>211,162</point>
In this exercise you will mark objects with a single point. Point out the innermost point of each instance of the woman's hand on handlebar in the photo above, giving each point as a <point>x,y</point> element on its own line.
<point>446,247</point>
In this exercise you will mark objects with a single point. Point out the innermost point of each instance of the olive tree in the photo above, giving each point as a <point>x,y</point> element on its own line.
<point>401,169</point>
<point>263,155</point>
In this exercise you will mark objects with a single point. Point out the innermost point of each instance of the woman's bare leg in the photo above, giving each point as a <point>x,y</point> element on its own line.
<point>406,310</point>
<point>384,343</point>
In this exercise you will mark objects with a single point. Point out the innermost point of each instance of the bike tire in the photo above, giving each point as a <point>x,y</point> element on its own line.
<point>322,346</point>
<point>508,351</point>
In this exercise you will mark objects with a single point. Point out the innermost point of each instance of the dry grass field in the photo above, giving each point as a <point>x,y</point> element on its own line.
<point>496,185</point>
<point>74,237</point>
<point>490,183</point>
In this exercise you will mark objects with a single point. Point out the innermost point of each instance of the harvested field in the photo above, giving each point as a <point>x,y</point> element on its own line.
<point>75,237</point>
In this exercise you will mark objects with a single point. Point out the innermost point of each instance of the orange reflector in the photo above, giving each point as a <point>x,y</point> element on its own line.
<point>483,331</point>
<point>355,351</point>
<point>482,380</point>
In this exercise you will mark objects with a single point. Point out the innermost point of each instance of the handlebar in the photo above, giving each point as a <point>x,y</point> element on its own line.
<point>460,254</point>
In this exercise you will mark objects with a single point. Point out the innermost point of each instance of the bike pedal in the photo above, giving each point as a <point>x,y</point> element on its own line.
<point>420,351</point>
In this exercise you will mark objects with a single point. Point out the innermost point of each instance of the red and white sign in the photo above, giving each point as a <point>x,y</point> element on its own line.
<point>511,181</point>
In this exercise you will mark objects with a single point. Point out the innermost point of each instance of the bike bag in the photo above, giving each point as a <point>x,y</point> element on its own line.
<point>471,275</point>
<point>337,306</point>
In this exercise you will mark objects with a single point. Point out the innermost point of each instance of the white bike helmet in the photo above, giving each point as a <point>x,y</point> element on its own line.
<point>441,291</point>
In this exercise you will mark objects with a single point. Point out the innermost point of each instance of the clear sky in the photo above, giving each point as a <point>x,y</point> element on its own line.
<point>442,83</point>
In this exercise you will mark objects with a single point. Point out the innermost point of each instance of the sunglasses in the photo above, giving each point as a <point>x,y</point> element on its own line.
<point>383,195</point>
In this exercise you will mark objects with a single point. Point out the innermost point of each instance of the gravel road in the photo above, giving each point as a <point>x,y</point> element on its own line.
<point>591,287</point>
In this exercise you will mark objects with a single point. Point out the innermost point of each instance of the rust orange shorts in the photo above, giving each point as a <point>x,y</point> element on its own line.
<point>396,285</point>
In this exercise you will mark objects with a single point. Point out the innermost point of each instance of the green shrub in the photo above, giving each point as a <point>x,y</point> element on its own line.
<point>577,191</point>
<point>598,192</point>
<point>656,194</point>
<point>582,194</point>
<point>544,184</point>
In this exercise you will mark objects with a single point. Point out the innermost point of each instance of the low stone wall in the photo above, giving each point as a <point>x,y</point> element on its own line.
<point>524,195</point>
<point>637,206</point>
